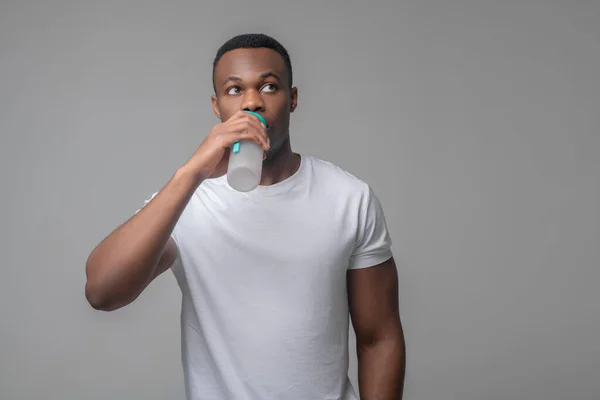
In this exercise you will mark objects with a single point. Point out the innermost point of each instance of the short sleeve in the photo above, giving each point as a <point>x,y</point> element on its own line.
<point>373,242</point>
<point>146,202</point>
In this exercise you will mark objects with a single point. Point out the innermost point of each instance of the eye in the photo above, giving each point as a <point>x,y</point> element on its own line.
<point>269,87</point>
<point>233,90</point>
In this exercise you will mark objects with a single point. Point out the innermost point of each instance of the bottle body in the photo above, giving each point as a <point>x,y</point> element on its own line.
<point>245,163</point>
<point>245,166</point>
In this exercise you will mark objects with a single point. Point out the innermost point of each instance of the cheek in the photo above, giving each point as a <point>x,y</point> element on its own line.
<point>281,112</point>
<point>278,101</point>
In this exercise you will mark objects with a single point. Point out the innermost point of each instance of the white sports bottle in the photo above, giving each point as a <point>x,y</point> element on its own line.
<point>245,163</point>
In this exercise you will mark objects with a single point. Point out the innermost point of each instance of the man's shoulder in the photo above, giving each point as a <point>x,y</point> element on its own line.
<point>337,177</point>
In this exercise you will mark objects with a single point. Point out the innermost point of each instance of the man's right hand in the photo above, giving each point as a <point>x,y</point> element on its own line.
<point>211,158</point>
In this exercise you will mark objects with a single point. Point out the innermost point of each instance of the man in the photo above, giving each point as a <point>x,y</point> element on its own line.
<point>270,277</point>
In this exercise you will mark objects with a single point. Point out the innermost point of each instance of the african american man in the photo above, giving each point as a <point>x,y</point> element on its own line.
<point>270,278</point>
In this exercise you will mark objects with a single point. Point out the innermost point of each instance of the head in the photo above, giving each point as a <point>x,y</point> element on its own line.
<point>253,72</point>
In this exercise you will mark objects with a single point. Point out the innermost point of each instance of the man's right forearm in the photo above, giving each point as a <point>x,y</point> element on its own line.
<point>125,262</point>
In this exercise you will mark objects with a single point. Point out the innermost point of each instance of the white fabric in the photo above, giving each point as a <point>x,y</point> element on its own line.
<point>263,279</point>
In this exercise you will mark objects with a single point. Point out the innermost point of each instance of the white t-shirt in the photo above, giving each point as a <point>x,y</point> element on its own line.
<point>263,281</point>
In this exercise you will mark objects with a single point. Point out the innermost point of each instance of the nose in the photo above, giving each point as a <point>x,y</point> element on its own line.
<point>253,101</point>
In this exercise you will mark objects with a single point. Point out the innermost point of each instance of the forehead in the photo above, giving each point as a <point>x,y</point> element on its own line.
<point>249,63</point>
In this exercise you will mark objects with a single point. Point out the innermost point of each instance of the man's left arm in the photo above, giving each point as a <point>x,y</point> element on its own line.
<point>374,310</point>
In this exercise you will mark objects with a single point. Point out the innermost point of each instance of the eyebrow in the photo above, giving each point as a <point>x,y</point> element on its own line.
<point>232,78</point>
<point>262,76</point>
<point>270,74</point>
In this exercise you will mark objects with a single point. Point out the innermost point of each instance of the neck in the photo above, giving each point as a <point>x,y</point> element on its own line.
<point>283,165</point>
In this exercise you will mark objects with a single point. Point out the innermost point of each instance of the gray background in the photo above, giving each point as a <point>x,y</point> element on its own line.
<point>476,123</point>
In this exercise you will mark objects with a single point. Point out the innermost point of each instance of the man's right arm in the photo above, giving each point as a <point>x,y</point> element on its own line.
<point>139,250</point>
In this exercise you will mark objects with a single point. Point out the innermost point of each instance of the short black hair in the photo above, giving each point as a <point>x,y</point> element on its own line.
<point>254,41</point>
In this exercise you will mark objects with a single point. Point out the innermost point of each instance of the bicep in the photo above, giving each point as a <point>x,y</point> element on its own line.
<point>167,258</point>
<point>373,301</point>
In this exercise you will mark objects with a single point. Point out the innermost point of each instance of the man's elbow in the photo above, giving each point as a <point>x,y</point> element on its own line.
<point>98,300</point>
<point>98,293</point>
<point>389,335</point>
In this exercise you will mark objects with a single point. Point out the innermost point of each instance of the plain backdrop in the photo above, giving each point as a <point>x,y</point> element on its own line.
<point>476,123</point>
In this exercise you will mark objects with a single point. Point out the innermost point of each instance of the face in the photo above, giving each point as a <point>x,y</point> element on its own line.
<point>256,80</point>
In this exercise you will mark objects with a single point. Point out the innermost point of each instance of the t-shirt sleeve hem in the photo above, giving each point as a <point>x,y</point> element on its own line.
<point>370,260</point>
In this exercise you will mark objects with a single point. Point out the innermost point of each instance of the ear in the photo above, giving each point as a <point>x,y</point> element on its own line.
<point>215,106</point>
<point>293,99</point>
